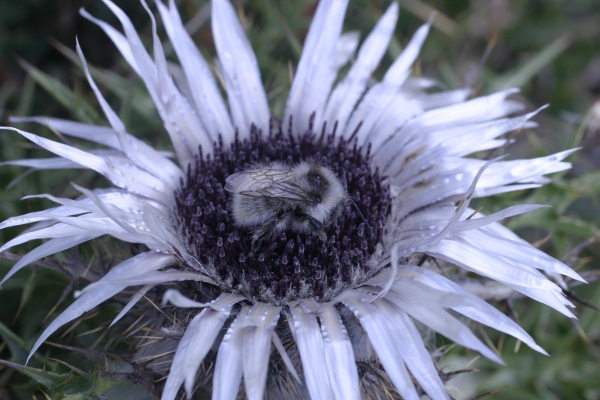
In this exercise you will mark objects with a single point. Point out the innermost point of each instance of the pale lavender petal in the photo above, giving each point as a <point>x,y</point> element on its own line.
<point>480,220</point>
<point>228,368</point>
<point>473,307</point>
<point>307,334</point>
<point>95,133</point>
<point>63,163</point>
<point>195,344</point>
<point>406,106</point>
<point>430,101</point>
<point>52,246</point>
<point>123,210</point>
<point>258,330</point>
<point>99,134</point>
<point>186,132</point>
<point>442,322</point>
<point>132,302</point>
<point>105,209</point>
<point>37,216</point>
<point>525,171</point>
<point>54,231</point>
<point>148,278</point>
<point>117,38</point>
<point>410,344</point>
<point>483,263</point>
<point>520,252</point>
<point>86,224</point>
<point>345,95</point>
<point>159,226</point>
<point>285,357</point>
<point>245,92</point>
<point>316,70</point>
<point>376,326</point>
<point>339,356</point>
<point>208,100</point>
<point>400,69</point>
<point>44,163</point>
<point>119,174</point>
<point>144,156</point>
<point>448,176</point>
<point>380,96</point>
<point>175,297</point>
<point>346,46</point>
<point>477,110</point>
<point>415,162</point>
<point>123,204</point>
<point>553,298</point>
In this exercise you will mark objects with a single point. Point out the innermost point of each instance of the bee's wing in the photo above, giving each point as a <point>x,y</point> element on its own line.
<point>266,182</point>
<point>256,180</point>
<point>285,191</point>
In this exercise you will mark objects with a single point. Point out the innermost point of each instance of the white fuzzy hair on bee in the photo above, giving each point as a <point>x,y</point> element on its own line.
<point>304,197</point>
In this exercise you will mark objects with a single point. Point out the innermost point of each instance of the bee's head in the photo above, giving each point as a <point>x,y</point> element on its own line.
<point>318,186</point>
<point>324,186</point>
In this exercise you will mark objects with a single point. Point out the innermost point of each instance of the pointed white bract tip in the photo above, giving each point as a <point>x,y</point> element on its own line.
<point>18,119</point>
<point>571,273</point>
<point>540,350</point>
<point>543,107</point>
<point>432,16</point>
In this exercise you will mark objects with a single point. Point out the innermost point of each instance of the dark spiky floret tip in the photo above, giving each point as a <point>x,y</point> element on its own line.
<point>288,265</point>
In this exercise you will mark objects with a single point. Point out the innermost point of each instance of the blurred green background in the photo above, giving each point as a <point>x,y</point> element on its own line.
<point>549,49</point>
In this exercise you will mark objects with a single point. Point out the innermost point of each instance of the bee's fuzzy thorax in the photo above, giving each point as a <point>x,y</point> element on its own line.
<point>304,197</point>
<point>293,262</point>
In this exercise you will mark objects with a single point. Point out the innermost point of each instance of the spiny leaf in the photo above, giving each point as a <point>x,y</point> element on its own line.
<point>76,385</point>
<point>48,379</point>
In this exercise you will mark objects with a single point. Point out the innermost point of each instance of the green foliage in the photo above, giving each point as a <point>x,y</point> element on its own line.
<point>78,385</point>
<point>77,106</point>
<point>545,48</point>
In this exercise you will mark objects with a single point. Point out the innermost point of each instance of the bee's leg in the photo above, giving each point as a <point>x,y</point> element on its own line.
<point>261,234</point>
<point>317,227</point>
<point>264,232</point>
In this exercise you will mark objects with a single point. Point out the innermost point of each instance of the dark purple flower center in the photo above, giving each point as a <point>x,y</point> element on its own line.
<point>289,264</point>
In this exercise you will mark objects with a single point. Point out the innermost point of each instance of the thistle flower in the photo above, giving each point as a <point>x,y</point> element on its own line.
<point>330,314</point>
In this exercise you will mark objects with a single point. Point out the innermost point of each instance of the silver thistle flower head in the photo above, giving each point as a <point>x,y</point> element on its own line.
<point>302,242</point>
